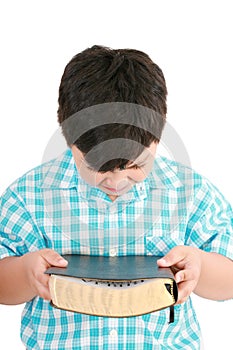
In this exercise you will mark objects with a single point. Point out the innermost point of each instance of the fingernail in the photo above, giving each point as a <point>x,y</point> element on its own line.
<point>178,279</point>
<point>162,260</point>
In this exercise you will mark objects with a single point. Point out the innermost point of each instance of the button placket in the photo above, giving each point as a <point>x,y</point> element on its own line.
<point>112,252</point>
<point>113,333</point>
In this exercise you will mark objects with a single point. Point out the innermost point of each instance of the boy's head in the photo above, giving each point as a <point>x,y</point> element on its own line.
<point>101,82</point>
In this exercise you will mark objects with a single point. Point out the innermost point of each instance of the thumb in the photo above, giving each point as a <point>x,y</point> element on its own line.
<point>53,258</point>
<point>163,262</point>
<point>174,256</point>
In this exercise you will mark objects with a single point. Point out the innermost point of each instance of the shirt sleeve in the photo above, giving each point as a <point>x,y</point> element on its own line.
<point>210,225</point>
<point>18,232</point>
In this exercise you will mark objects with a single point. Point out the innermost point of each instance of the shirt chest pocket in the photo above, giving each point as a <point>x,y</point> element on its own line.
<point>160,243</point>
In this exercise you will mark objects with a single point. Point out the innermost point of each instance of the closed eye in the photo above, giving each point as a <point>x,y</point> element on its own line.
<point>136,166</point>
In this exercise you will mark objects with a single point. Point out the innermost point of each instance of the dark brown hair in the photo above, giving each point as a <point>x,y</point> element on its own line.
<point>98,75</point>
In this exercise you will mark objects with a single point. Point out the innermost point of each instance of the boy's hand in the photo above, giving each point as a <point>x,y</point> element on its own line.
<point>186,263</point>
<point>35,265</point>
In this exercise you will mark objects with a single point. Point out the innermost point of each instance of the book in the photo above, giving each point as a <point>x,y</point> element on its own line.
<point>122,286</point>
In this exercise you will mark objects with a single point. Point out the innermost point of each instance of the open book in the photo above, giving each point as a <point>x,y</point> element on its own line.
<point>112,286</point>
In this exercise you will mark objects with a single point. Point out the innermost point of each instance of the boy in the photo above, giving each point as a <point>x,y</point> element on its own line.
<point>109,194</point>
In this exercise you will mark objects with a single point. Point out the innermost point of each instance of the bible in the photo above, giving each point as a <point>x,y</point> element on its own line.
<point>120,286</point>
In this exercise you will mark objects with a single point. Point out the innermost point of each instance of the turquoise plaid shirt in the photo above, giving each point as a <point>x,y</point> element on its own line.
<point>52,207</point>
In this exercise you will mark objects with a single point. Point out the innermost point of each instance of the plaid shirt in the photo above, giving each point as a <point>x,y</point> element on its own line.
<point>52,207</point>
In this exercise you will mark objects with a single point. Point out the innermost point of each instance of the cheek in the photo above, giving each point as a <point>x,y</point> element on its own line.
<point>138,176</point>
<point>142,173</point>
<point>90,177</point>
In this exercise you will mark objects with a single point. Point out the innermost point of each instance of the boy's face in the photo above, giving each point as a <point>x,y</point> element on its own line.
<point>117,182</point>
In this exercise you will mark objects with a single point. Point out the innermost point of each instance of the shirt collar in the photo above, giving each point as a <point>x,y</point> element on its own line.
<point>164,175</point>
<point>137,192</point>
<point>59,173</point>
<point>62,173</point>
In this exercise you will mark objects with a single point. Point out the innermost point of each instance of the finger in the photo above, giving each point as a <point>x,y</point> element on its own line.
<point>53,258</point>
<point>184,291</point>
<point>185,275</point>
<point>173,257</point>
<point>42,278</point>
<point>186,280</point>
<point>43,291</point>
<point>41,284</point>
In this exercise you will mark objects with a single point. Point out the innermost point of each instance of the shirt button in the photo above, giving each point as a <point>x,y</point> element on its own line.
<point>113,333</point>
<point>112,252</point>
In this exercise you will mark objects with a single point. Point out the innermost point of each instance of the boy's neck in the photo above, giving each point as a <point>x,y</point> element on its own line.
<point>112,197</point>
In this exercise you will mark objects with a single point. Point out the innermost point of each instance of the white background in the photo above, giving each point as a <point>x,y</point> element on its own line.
<point>190,40</point>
